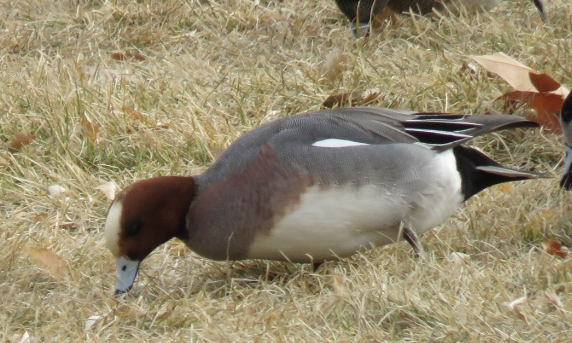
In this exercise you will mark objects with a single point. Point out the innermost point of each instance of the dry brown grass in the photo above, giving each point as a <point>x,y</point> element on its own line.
<point>213,70</point>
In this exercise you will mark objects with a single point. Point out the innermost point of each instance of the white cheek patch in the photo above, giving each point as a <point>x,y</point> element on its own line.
<point>113,227</point>
<point>336,143</point>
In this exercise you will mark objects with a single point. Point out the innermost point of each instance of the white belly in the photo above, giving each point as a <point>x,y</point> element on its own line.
<point>338,222</point>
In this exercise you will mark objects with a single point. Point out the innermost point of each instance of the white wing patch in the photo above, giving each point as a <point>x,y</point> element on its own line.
<point>336,143</point>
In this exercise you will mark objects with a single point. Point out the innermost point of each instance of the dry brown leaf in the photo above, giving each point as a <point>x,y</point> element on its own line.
<point>543,82</point>
<point>69,226</point>
<point>134,114</point>
<point>48,260</point>
<point>40,217</point>
<point>91,129</point>
<point>547,106</point>
<point>511,70</point>
<point>554,248</point>
<point>20,139</point>
<point>121,56</point>
<point>357,98</point>
<point>537,91</point>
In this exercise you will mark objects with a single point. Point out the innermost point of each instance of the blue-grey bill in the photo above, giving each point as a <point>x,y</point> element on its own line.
<point>126,273</point>
<point>566,181</point>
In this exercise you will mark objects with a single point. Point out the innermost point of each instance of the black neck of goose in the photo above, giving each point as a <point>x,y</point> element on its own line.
<point>473,180</point>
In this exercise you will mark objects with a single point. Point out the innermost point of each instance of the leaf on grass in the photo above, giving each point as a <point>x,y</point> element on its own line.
<point>512,71</point>
<point>543,82</point>
<point>547,106</point>
<point>514,306</point>
<point>134,114</point>
<point>537,91</point>
<point>122,56</point>
<point>108,189</point>
<point>48,260</point>
<point>554,248</point>
<point>91,129</point>
<point>357,98</point>
<point>335,65</point>
<point>20,139</point>
<point>41,217</point>
<point>69,226</point>
<point>55,190</point>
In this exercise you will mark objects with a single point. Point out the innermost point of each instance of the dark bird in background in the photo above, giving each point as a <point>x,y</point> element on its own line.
<point>362,12</point>
<point>566,123</point>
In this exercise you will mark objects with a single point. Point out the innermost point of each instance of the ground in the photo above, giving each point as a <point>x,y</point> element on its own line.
<point>124,90</point>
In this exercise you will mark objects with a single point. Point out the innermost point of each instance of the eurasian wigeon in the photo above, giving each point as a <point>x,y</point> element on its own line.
<point>313,187</point>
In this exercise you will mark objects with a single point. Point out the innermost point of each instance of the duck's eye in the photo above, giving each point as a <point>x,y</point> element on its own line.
<point>134,227</point>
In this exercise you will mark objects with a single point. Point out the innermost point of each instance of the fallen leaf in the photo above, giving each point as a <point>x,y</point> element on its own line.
<point>48,261</point>
<point>538,91</point>
<point>20,139</point>
<point>335,65</point>
<point>108,189</point>
<point>514,306</point>
<point>519,76</point>
<point>543,82</point>
<point>511,70</point>
<point>55,190</point>
<point>554,248</point>
<point>356,98</point>
<point>120,56</point>
<point>547,106</point>
<point>91,129</point>
<point>90,321</point>
<point>69,226</point>
<point>134,114</point>
<point>40,217</point>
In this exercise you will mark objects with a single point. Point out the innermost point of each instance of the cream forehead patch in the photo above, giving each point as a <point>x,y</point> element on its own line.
<point>113,227</point>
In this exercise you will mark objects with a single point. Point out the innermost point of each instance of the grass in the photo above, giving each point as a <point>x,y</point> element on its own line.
<point>212,70</point>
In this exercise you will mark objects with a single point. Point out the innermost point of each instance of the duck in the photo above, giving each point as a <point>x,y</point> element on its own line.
<point>566,124</point>
<point>361,13</point>
<point>313,187</point>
